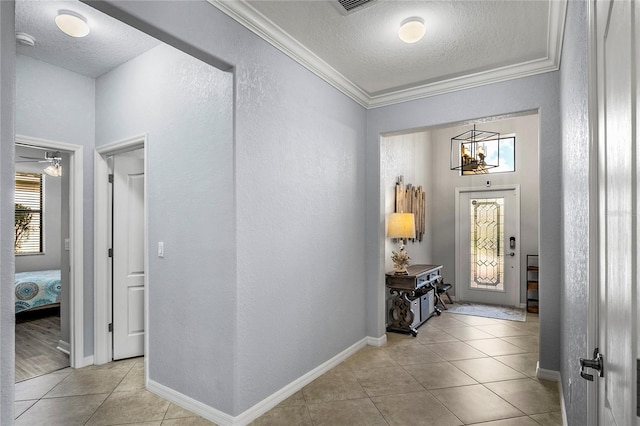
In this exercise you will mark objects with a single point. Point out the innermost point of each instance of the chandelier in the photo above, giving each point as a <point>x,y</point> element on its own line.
<point>469,151</point>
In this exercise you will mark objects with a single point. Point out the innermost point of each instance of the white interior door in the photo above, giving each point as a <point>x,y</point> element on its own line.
<point>128,256</point>
<point>488,254</point>
<point>617,67</point>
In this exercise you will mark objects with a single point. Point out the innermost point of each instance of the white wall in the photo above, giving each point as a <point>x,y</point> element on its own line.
<point>575,235</point>
<point>541,93</point>
<point>52,211</point>
<point>445,182</point>
<point>7,210</point>
<point>59,105</point>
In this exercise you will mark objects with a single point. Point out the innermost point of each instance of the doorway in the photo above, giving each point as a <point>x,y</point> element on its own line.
<point>487,245</point>
<point>128,254</point>
<point>120,250</point>
<point>71,244</point>
<point>42,263</point>
<point>613,196</point>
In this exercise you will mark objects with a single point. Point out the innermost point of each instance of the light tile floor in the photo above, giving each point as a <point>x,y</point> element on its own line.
<point>459,370</point>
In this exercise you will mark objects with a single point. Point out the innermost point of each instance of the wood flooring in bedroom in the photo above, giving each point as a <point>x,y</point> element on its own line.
<point>37,336</point>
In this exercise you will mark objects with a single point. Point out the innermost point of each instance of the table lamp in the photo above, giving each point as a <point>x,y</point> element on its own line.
<point>402,226</point>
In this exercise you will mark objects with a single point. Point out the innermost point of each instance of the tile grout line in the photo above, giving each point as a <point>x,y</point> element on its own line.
<point>107,397</point>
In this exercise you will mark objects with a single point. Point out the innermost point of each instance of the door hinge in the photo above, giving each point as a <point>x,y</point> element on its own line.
<point>110,327</point>
<point>111,178</point>
<point>110,252</point>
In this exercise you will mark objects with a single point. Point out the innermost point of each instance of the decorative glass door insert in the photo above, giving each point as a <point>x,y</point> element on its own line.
<point>487,249</point>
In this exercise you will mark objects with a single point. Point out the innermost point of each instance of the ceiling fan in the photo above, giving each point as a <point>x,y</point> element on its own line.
<point>53,158</point>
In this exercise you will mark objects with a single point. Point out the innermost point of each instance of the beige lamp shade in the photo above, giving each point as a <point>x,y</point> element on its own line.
<point>401,225</point>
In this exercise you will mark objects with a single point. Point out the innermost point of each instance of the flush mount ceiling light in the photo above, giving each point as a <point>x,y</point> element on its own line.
<point>72,24</point>
<point>412,30</point>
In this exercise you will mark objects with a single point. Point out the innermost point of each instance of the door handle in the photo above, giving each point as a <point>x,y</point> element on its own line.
<point>596,363</point>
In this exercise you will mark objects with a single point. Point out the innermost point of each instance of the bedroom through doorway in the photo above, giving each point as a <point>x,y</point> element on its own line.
<point>41,246</point>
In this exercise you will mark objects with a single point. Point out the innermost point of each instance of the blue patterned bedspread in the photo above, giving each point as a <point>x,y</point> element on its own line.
<point>37,289</point>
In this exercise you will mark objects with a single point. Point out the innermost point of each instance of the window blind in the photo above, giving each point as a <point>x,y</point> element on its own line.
<point>28,199</point>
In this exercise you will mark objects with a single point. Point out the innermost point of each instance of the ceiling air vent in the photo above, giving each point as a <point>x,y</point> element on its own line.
<point>347,7</point>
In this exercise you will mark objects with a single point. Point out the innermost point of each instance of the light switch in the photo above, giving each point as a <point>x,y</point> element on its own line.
<point>66,244</point>
<point>160,249</point>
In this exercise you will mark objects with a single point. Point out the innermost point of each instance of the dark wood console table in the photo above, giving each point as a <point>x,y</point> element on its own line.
<point>413,303</point>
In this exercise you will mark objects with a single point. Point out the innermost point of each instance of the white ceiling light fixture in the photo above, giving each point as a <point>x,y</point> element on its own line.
<point>72,24</point>
<point>54,169</point>
<point>53,158</point>
<point>412,29</point>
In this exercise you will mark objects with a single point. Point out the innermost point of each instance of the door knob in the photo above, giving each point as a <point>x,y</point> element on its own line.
<point>596,363</point>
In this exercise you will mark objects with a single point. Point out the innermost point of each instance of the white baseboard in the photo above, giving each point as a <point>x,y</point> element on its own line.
<point>197,407</point>
<point>550,375</point>
<point>224,419</point>
<point>563,408</point>
<point>377,341</point>
<point>64,347</point>
<point>87,361</point>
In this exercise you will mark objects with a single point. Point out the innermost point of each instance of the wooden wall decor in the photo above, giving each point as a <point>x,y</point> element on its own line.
<point>410,199</point>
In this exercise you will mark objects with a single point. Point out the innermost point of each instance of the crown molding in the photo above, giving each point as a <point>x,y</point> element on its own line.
<point>266,29</point>
<point>262,26</point>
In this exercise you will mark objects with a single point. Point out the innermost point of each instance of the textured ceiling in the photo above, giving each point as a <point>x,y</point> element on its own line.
<point>466,43</point>
<point>110,43</point>
<point>462,37</point>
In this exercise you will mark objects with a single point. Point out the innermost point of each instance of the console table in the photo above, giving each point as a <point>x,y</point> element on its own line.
<point>413,303</point>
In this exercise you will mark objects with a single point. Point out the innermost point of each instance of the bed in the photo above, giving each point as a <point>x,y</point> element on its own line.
<point>37,289</point>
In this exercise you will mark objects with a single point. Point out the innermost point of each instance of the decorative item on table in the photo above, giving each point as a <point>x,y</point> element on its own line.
<point>402,226</point>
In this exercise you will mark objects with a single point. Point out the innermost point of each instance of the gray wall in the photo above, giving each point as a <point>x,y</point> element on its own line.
<point>540,93</point>
<point>410,156</point>
<point>290,125</point>
<point>185,108</point>
<point>59,105</point>
<point>299,228</point>
<point>52,211</point>
<point>575,177</point>
<point>7,210</point>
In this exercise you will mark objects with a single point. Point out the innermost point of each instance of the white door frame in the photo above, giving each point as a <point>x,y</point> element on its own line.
<point>461,190</point>
<point>103,346</point>
<point>76,282</point>
<point>594,212</point>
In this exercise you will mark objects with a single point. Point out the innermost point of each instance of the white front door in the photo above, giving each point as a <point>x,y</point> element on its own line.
<point>128,256</point>
<point>488,254</point>
<point>618,162</point>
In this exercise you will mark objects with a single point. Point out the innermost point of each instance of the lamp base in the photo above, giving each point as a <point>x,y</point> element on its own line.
<point>401,271</point>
